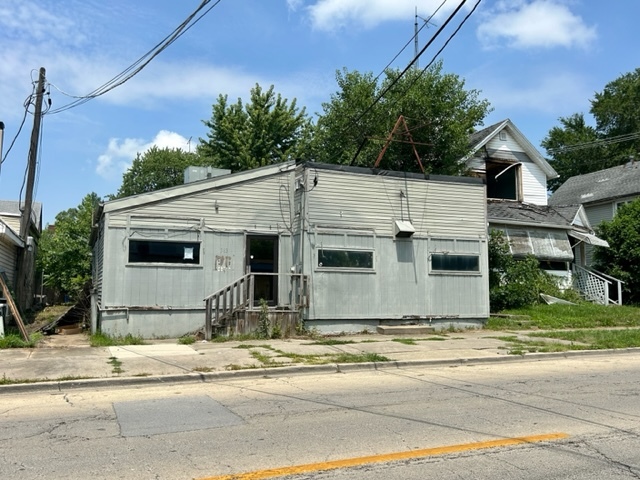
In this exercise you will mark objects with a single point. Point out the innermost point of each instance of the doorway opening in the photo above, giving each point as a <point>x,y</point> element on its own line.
<point>262,259</point>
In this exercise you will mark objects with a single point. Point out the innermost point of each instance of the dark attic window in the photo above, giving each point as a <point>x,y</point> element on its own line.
<point>503,180</point>
<point>153,251</point>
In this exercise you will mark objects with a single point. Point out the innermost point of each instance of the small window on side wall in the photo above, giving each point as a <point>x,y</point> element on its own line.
<point>153,251</point>
<point>345,259</point>
<point>444,262</point>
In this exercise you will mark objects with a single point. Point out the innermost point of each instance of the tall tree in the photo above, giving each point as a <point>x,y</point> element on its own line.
<point>439,111</point>
<point>265,131</point>
<point>157,168</point>
<point>64,255</point>
<point>576,148</point>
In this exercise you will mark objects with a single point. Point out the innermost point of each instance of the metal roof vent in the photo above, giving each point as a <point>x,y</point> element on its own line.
<point>403,229</point>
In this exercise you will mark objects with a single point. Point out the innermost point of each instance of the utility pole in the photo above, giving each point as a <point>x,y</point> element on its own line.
<point>24,284</point>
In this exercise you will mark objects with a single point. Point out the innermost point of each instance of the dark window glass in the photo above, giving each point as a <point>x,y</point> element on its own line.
<point>150,251</point>
<point>455,263</point>
<point>345,259</point>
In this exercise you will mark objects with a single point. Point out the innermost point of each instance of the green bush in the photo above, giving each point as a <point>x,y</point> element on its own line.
<point>516,283</point>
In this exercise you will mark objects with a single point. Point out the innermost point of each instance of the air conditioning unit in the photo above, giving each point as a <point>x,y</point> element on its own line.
<point>403,229</point>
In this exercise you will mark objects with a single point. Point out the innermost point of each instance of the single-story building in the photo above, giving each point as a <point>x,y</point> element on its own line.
<point>341,248</point>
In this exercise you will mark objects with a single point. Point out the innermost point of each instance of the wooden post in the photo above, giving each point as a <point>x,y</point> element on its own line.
<point>14,309</point>
<point>207,319</point>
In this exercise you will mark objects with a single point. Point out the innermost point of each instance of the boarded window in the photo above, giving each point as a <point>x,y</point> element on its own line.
<point>348,259</point>
<point>153,251</point>
<point>443,262</point>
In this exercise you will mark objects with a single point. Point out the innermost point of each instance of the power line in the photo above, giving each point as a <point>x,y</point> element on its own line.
<point>627,137</point>
<point>408,67</point>
<point>142,62</point>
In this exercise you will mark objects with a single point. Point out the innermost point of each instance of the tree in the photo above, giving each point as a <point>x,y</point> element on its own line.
<point>439,111</point>
<point>64,255</point>
<point>265,131</point>
<point>577,148</point>
<point>622,258</point>
<point>155,169</point>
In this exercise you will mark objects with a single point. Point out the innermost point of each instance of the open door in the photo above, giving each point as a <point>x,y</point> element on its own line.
<point>262,259</point>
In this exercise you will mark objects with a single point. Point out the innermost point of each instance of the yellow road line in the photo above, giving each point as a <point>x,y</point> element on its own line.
<point>386,457</point>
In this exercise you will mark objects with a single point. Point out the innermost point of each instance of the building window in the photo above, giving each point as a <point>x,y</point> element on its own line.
<point>444,262</point>
<point>153,251</point>
<point>345,259</point>
<point>503,180</point>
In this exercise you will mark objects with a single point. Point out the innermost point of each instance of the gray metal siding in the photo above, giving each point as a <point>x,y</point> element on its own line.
<point>596,215</point>
<point>8,255</point>
<point>356,201</point>
<point>260,204</point>
<point>98,262</point>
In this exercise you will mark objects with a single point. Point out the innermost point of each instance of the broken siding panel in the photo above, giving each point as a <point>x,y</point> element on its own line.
<point>261,204</point>
<point>366,201</point>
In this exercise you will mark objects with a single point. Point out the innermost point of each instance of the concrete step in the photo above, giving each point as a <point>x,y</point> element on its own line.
<point>405,329</point>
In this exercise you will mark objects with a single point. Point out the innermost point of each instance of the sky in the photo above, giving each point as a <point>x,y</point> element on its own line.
<point>534,60</point>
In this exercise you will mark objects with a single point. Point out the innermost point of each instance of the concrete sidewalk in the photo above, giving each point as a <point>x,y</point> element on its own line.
<point>69,360</point>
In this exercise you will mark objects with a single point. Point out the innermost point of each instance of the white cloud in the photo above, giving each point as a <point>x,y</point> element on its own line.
<point>332,15</point>
<point>538,23</point>
<point>120,153</point>
<point>554,94</point>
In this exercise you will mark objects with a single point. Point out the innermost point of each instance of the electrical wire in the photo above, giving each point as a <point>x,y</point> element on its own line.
<point>142,62</point>
<point>26,104</point>
<point>426,22</point>
<point>594,143</point>
<point>408,67</point>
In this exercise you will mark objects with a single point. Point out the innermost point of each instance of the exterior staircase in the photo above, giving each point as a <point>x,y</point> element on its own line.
<point>234,308</point>
<point>597,287</point>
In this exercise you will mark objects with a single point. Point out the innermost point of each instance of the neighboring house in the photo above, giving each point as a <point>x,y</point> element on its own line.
<point>341,248</point>
<point>11,245</point>
<point>516,176</point>
<point>600,193</point>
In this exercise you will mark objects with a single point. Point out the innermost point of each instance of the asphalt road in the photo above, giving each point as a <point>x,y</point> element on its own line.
<point>398,419</point>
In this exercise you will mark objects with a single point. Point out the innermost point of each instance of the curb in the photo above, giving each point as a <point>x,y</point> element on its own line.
<point>273,372</point>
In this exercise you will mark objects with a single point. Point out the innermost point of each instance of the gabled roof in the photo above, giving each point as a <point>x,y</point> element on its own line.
<point>12,208</point>
<point>603,185</point>
<point>479,139</point>
<point>195,187</point>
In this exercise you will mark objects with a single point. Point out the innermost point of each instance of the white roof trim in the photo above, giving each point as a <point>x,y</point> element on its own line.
<point>529,149</point>
<point>6,231</point>
<point>197,187</point>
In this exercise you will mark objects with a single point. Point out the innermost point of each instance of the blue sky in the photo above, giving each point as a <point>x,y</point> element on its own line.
<point>534,60</point>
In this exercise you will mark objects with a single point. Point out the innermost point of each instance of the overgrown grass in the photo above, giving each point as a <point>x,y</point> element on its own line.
<point>100,339</point>
<point>15,381</point>
<point>597,339</point>
<point>15,340</point>
<point>583,315</point>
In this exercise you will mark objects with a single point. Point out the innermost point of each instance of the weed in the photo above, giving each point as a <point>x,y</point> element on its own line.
<point>15,340</point>
<point>117,365</point>
<point>264,324</point>
<point>331,341</point>
<point>276,330</point>
<point>359,358</point>
<point>406,341</point>
<point>187,340</point>
<point>100,339</point>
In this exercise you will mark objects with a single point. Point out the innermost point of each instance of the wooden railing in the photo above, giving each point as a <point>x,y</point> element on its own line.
<point>595,286</point>
<point>240,296</point>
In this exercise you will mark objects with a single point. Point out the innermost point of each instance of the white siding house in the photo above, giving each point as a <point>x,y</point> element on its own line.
<point>372,247</point>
